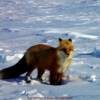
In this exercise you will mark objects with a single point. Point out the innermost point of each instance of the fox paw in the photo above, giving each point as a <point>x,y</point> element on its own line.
<point>28,79</point>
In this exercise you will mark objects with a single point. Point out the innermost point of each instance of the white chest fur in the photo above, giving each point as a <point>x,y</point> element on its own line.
<point>64,61</point>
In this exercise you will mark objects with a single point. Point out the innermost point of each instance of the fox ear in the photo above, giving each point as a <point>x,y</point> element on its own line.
<point>60,39</point>
<point>70,39</point>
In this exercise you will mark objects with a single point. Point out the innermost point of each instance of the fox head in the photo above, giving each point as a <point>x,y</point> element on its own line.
<point>66,46</point>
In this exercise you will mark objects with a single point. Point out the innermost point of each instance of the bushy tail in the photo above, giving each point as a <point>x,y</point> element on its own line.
<point>14,71</point>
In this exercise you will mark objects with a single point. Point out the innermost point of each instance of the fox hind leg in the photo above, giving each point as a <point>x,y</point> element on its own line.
<point>40,73</point>
<point>28,75</point>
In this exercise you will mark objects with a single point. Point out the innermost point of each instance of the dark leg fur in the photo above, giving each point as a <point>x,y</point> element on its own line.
<point>40,73</point>
<point>39,76</point>
<point>56,78</point>
<point>28,74</point>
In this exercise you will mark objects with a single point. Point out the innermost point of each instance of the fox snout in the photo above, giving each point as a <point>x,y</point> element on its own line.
<point>67,52</point>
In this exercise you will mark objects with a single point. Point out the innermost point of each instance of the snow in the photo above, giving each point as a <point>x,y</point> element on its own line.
<point>24,23</point>
<point>10,58</point>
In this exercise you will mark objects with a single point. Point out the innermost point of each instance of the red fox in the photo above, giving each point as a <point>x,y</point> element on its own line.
<point>43,57</point>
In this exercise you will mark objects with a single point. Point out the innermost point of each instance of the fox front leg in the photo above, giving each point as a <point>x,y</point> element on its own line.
<point>55,78</point>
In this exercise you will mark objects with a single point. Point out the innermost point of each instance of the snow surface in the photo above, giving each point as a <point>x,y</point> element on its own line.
<point>24,23</point>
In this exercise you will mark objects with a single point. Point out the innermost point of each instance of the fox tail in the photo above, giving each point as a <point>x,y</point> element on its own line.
<point>15,70</point>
